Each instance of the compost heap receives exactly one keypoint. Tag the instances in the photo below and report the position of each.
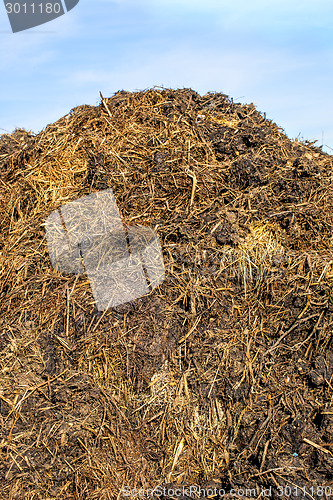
(222, 376)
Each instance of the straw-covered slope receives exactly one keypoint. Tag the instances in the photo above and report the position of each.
(223, 375)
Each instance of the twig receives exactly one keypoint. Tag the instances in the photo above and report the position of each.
(287, 333)
(190, 331)
(315, 445)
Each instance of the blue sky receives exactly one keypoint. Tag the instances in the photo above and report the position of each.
(277, 54)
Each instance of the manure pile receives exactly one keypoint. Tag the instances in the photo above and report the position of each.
(222, 376)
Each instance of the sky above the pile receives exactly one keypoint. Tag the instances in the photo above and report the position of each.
(277, 54)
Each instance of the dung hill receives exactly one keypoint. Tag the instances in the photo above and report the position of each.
(222, 376)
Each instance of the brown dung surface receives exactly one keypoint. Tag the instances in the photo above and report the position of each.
(222, 376)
